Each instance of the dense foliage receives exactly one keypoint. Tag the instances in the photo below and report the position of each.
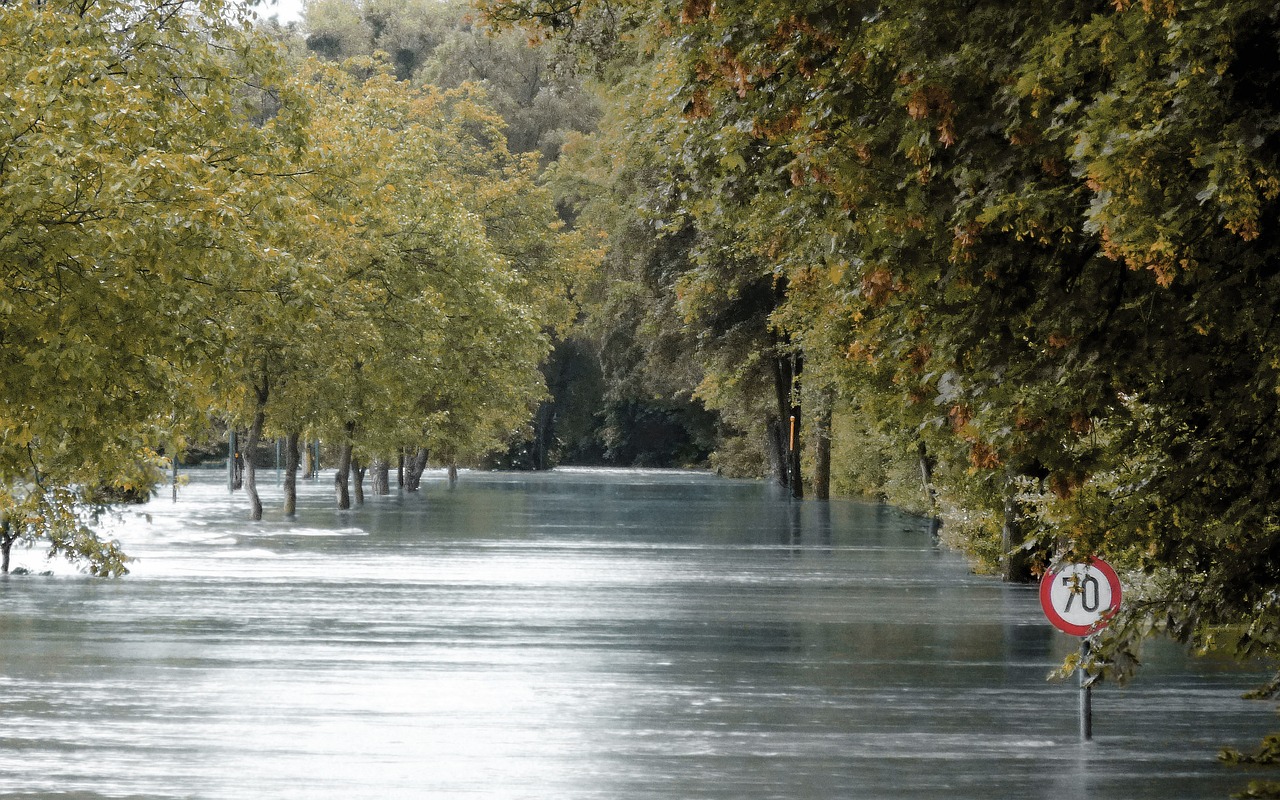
(195, 229)
(1032, 248)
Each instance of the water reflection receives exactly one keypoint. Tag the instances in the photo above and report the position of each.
(574, 635)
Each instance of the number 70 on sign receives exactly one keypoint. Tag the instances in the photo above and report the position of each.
(1079, 599)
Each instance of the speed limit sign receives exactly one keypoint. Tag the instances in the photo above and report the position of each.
(1080, 598)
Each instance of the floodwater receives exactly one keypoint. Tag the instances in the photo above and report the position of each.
(578, 634)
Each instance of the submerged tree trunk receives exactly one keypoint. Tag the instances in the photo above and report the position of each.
(291, 474)
(926, 474)
(782, 397)
(358, 471)
(1016, 567)
(381, 476)
(6, 545)
(796, 480)
(786, 385)
(400, 471)
(261, 394)
(822, 447)
(413, 478)
(453, 474)
(342, 477)
(930, 494)
(235, 462)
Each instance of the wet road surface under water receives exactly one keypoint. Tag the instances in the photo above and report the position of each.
(572, 635)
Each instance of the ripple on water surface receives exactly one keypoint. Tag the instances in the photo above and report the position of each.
(579, 634)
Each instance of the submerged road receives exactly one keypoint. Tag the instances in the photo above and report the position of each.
(579, 634)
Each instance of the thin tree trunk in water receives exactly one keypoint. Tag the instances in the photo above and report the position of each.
(930, 494)
(359, 480)
(235, 462)
(453, 475)
(413, 480)
(782, 395)
(926, 475)
(291, 474)
(6, 545)
(251, 448)
(400, 471)
(381, 476)
(796, 480)
(342, 478)
(1017, 562)
(822, 448)
(786, 385)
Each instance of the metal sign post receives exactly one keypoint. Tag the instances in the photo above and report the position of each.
(1080, 599)
(1086, 695)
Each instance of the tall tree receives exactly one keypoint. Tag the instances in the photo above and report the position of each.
(132, 185)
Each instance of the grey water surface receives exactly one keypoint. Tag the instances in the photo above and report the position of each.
(577, 634)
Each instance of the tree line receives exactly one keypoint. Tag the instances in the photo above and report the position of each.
(197, 225)
(1016, 266)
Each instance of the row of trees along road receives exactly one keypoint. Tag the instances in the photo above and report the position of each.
(1028, 252)
(194, 225)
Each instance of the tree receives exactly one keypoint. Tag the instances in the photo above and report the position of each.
(539, 99)
(443, 263)
(131, 185)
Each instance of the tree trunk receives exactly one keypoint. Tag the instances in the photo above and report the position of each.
(359, 479)
(822, 447)
(786, 385)
(926, 474)
(453, 475)
(291, 474)
(342, 478)
(413, 480)
(235, 463)
(400, 471)
(6, 545)
(1017, 562)
(930, 494)
(251, 469)
(796, 480)
(261, 394)
(782, 396)
(381, 476)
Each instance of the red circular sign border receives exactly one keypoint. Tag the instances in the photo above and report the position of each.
(1046, 604)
